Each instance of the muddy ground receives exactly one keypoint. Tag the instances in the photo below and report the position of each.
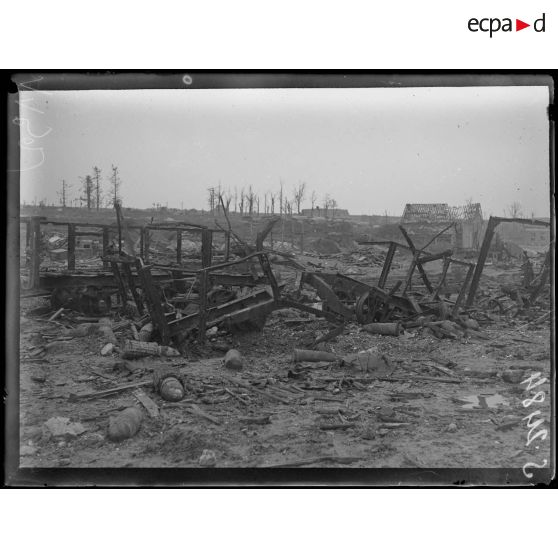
(442, 403)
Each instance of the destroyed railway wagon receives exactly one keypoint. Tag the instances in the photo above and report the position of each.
(181, 301)
(94, 279)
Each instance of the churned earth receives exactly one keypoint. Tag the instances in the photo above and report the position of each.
(451, 403)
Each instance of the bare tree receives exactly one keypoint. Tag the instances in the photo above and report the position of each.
(250, 200)
(313, 200)
(235, 197)
(298, 195)
(63, 193)
(115, 183)
(241, 202)
(227, 197)
(326, 203)
(514, 210)
(87, 185)
(98, 189)
(281, 198)
(211, 199)
(272, 202)
(218, 195)
(333, 205)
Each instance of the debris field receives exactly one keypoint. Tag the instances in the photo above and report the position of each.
(377, 356)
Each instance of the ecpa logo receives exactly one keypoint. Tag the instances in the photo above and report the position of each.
(494, 24)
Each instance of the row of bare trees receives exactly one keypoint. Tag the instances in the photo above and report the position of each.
(247, 201)
(91, 193)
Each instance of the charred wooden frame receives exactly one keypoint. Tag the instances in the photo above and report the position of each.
(493, 223)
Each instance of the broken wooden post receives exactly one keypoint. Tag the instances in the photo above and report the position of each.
(119, 224)
(120, 282)
(227, 245)
(142, 243)
(154, 302)
(387, 265)
(179, 247)
(438, 288)
(146, 243)
(132, 285)
(35, 248)
(409, 276)
(71, 246)
(106, 265)
(207, 240)
(462, 291)
(493, 222)
(203, 289)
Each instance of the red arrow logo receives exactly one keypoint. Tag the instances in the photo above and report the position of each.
(519, 25)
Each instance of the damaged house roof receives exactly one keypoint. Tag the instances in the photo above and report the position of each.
(440, 213)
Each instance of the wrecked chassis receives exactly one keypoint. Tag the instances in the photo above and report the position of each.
(354, 300)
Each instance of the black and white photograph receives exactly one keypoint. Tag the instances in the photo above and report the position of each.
(280, 278)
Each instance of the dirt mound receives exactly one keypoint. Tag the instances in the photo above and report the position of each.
(326, 246)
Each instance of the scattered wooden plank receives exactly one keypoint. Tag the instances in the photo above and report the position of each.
(195, 410)
(328, 336)
(150, 405)
(256, 420)
(56, 314)
(394, 424)
(236, 396)
(442, 369)
(338, 426)
(101, 375)
(259, 391)
(434, 379)
(327, 398)
(107, 392)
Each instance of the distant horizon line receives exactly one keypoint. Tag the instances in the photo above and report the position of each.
(345, 212)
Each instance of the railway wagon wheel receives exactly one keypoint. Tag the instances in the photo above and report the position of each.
(371, 308)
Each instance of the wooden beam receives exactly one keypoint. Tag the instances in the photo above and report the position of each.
(119, 282)
(179, 247)
(463, 290)
(438, 288)
(387, 265)
(132, 284)
(207, 249)
(146, 244)
(71, 247)
(203, 288)
(227, 245)
(493, 222)
(35, 249)
(154, 302)
(106, 265)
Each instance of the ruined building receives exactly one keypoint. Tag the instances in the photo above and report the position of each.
(424, 220)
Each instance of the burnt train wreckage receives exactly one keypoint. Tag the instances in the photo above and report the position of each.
(182, 301)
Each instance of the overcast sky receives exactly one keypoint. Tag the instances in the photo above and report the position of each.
(373, 150)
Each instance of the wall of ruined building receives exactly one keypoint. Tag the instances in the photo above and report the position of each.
(524, 235)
